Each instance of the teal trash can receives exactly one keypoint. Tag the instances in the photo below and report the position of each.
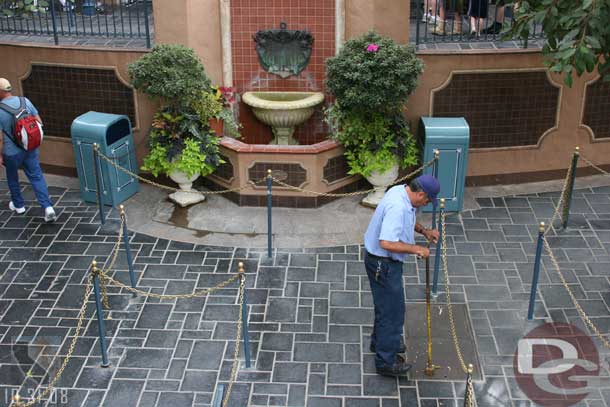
(112, 133)
(451, 136)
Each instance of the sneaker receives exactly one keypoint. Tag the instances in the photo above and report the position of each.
(13, 208)
(399, 368)
(49, 214)
(439, 29)
(495, 28)
(401, 349)
(429, 18)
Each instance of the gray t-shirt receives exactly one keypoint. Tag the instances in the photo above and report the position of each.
(7, 123)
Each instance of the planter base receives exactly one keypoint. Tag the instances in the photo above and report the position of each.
(185, 199)
(372, 199)
(379, 181)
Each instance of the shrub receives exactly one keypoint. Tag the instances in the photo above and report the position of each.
(373, 73)
(169, 72)
(371, 78)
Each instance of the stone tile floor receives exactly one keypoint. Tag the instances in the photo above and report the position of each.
(310, 309)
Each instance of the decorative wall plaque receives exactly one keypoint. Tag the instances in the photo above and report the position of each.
(283, 52)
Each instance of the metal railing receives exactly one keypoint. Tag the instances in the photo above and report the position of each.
(465, 21)
(120, 19)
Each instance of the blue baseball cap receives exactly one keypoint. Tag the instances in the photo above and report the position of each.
(430, 186)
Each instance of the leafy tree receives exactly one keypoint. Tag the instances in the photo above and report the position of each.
(577, 33)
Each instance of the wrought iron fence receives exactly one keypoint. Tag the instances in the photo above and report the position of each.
(129, 19)
(455, 21)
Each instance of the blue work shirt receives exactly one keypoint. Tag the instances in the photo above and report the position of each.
(7, 123)
(394, 221)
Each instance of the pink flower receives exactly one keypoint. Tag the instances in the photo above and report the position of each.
(372, 48)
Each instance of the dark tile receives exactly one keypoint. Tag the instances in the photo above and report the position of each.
(123, 393)
(290, 372)
(147, 358)
(206, 355)
(281, 310)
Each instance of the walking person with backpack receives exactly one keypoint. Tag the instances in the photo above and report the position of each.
(21, 128)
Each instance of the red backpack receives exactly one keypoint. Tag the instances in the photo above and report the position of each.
(28, 131)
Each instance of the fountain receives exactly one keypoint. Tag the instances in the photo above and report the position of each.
(284, 53)
(283, 111)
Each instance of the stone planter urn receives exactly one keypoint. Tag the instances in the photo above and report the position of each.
(380, 182)
(184, 197)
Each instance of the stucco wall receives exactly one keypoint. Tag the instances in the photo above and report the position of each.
(195, 24)
(57, 151)
(555, 148)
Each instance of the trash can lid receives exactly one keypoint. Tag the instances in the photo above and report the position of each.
(98, 119)
(445, 127)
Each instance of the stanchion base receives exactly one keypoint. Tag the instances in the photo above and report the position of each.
(185, 199)
(416, 339)
(242, 365)
(429, 371)
(105, 365)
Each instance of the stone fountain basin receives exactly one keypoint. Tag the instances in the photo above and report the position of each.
(283, 109)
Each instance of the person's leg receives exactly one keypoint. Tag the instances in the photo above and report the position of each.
(371, 267)
(12, 164)
(31, 167)
(496, 26)
(439, 28)
(390, 296)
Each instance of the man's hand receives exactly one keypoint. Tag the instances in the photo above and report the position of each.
(1, 159)
(421, 251)
(431, 235)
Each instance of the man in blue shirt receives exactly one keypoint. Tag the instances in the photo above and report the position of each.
(388, 240)
(13, 157)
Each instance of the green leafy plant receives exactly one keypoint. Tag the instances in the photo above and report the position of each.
(180, 142)
(170, 72)
(371, 78)
(181, 137)
(577, 34)
(373, 142)
(23, 7)
(207, 106)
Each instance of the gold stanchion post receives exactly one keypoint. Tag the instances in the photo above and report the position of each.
(430, 367)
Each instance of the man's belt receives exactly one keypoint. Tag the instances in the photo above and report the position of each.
(381, 257)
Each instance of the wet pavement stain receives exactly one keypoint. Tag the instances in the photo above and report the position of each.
(179, 218)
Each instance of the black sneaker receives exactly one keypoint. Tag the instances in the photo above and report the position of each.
(399, 368)
(402, 348)
(495, 28)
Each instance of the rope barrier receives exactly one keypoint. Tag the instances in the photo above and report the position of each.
(77, 332)
(469, 396)
(593, 165)
(172, 189)
(279, 182)
(560, 205)
(105, 279)
(581, 312)
(331, 194)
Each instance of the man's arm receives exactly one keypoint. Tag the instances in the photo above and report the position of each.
(400, 247)
(430, 234)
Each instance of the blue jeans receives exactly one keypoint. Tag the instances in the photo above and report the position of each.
(31, 166)
(385, 278)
